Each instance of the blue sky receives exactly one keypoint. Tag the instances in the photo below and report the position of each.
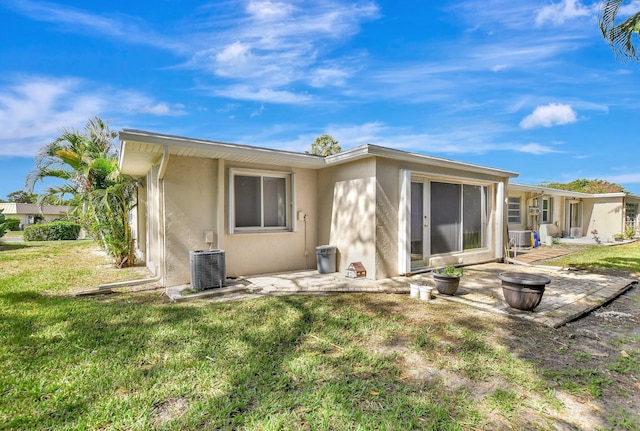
(527, 86)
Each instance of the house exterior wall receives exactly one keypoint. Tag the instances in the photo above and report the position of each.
(524, 218)
(25, 212)
(154, 228)
(362, 200)
(260, 253)
(140, 226)
(528, 221)
(347, 212)
(188, 198)
(189, 207)
(604, 215)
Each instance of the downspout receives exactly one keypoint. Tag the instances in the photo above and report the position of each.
(160, 269)
(501, 251)
(162, 243)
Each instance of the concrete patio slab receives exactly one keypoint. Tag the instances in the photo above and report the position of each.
(570, 294)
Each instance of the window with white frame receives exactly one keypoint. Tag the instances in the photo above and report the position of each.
(546, 215)
(260, 201)
(513, 209)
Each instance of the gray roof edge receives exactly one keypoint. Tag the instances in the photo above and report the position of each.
(370, 150)
(181, 141)
(527, 187)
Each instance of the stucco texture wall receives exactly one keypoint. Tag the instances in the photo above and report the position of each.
(189, 201)
(603, 215)
(261, 253)
(347, 212)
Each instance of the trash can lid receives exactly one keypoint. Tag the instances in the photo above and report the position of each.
(325, 247)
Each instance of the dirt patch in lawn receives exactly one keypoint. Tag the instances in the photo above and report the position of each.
(584, 375)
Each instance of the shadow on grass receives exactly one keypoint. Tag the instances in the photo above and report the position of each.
(9, 246)
(272, 362)
(620, 264)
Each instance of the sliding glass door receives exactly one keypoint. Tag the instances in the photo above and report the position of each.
(446, 217)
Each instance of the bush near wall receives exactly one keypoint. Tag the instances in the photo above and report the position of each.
(54, 231)
(12, 223)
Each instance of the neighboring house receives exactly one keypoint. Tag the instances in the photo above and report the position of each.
(575, 214)
(30, 213)
(394, 211)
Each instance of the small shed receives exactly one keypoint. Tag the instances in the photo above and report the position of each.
(355, 270)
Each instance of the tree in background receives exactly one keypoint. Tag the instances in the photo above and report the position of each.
(587, 186)
(619, 35)
(325, 145)
(20, 196)
(101, 196)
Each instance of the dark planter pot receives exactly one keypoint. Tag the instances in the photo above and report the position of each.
(446, 284)
(523, 291)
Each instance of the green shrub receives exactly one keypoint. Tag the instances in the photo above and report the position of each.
(3, 227)
(630, 232)
(54, 231)
(12, 223)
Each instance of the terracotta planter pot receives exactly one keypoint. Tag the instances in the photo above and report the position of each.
(446, 284)
(523, 291)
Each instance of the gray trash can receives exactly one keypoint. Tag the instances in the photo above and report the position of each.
(326, 256)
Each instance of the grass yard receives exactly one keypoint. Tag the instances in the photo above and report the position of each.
(623, 259)
(134, 361)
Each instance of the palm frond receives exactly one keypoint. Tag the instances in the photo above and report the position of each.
(620, 36)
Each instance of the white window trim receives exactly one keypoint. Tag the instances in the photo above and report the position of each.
(519, 209)
(290, 222)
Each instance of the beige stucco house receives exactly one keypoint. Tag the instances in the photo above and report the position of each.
(30, 213)
(394, 211)
(573, 214)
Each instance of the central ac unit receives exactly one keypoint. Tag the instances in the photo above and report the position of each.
(520, 238)
(207, 269)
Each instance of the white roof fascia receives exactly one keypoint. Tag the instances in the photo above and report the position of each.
(286, 157)
(560, 192)
(369, 150)
(296, 159)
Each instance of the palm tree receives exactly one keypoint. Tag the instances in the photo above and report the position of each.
(102, 196)
(619, 36)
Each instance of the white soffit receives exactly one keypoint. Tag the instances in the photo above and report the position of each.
(140, 150)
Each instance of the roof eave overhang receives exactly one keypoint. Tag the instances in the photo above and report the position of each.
(141, 150)
(368, 150)
(559, 192)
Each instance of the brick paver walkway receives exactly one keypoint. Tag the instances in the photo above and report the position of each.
(570, 294)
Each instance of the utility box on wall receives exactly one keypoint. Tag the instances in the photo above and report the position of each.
(355, 270)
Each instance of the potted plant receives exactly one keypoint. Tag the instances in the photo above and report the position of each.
(630, 232)
(447, 279)
(618, 237)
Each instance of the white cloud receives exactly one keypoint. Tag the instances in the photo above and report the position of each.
(536, 149)
(553, 114)
(269, 11)
(78, 20)
(34, 109)
(628, 9)
(245, 92)
(565, 10)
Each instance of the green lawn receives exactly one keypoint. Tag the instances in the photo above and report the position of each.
(360, 362)
(623, 259)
